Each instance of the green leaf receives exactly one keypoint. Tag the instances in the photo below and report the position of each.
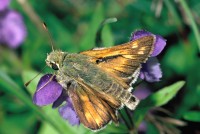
(11, 63)
(184, 53)
(107, 37)
(191, 92)
(151, 128)
(112, 128)
(17, 124)
(8, 85)
(63, 38)
(28, 75)
(192, 116)
(104, 36)
(162, 96)
(47, 129)
(191, 20)
(157, 99)
(54, 115)
(11, 87)
(88, 41)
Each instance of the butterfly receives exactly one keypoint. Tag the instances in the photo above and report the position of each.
(99, 81)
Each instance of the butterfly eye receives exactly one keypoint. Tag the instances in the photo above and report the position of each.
(54, 66)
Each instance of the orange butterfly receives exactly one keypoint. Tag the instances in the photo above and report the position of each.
(99, 81)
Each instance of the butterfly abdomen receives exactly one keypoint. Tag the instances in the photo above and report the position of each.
(132, 102)
(123, 95)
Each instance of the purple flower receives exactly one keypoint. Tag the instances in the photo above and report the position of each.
(151, 71)
(142, 91)
(4, 4)
(47, 91)
(142, 127)
(67, 112)
(50, 91)
(12, 28)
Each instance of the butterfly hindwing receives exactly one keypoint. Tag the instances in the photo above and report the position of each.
(123, 62)
(94, 110)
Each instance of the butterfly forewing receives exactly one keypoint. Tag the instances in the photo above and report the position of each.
(123, 61)
(93, 110)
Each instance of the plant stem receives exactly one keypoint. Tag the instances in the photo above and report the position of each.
(129, 117)
(125, 121)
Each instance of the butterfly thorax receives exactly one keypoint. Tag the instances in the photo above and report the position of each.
(79, 67)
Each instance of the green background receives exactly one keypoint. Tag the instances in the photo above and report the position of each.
(77, 26)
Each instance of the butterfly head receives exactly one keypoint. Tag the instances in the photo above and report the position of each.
(55, 59)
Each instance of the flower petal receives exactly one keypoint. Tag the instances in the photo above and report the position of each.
(138, 34)
(159, 45)
(142, 91)
(67, 112)
(151, 71)
(60, 99)
(4, 4)
(13, 29)
(142, 127)
(47, 91)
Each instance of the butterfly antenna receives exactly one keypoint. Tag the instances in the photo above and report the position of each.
(46, 82)
(50, 36)
(27, 83)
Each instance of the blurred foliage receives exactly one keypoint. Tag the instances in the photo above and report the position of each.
(74, 26)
